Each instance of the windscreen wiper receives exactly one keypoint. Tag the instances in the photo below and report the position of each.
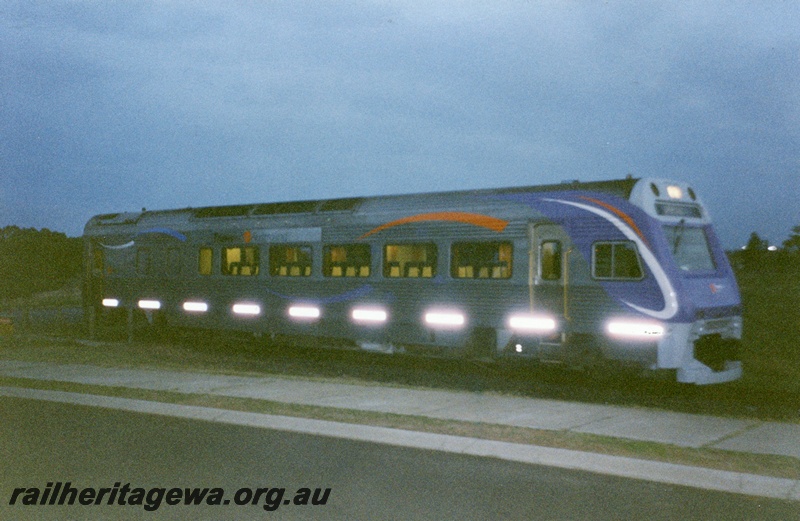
(678, 235)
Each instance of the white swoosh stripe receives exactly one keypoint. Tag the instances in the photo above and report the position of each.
(120, 247)
(670, 297)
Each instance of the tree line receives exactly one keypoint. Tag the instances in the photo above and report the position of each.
(32, 261)
(757, 255)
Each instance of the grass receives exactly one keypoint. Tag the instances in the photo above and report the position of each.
(771, 334)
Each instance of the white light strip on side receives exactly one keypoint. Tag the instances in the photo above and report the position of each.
(445, 318)
(247, 309)
(149, 304)
(531, 323)
(305, 312)
(111, 302)
(195, 307)
(635, 329)
(369, 315)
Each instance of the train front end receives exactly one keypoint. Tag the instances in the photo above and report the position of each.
(700, 328)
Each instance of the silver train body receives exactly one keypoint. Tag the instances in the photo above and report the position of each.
(628, 270)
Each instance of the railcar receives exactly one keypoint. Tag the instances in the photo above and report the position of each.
(628, 270)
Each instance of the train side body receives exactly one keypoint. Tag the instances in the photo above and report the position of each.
(575, 273)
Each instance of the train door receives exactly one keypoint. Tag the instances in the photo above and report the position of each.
(549, 278)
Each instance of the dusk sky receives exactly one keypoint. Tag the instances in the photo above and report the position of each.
(114, 106)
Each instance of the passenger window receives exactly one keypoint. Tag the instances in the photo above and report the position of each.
(347, 260)
(603, 254)
(240, 261)
(550, 260)
(616, 261)
(290, 261)
(173, 260)
(144, 261)
(410, 260)
(204, 259)
(481, 260)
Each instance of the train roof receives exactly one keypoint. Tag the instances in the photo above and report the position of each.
(619, 187)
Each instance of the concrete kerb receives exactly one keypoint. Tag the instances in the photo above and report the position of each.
(668, 473)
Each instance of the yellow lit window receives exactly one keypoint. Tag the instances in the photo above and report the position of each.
(240, 261)
(481, 260)
(410, 260)
(204, 258)
(350, 260)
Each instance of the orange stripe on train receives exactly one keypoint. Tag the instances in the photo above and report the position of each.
(475, 219)
(625, 217)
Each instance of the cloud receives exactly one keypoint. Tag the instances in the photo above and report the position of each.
(116, 105)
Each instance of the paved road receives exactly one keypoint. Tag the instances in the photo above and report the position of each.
(43, 442)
